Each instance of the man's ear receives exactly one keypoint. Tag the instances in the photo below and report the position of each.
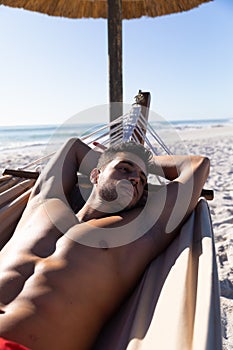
(94, 175)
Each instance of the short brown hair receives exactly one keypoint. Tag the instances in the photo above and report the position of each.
(132, 147)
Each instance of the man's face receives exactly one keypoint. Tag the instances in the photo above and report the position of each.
(123, 180)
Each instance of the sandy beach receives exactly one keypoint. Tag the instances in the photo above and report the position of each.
(215, 142)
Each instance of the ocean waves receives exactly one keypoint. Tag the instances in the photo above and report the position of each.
(41, 136)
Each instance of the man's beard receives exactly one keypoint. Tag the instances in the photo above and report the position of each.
(118, 199)
(108, 193)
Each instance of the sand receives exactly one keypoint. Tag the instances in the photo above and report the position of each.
(217, 144)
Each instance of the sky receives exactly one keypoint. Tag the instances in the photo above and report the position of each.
(52, 68)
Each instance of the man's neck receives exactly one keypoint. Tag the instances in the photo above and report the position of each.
(95, 208)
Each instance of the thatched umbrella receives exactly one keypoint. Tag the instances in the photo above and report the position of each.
(114, 11)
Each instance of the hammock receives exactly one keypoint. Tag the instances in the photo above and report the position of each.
(176, 304)
(177, 308)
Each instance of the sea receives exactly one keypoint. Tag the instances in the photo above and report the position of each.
(33, 136)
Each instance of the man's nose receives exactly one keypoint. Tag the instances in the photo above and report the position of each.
(134, 178)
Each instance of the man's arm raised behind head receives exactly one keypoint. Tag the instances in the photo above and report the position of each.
(169, 207)
(60, 174)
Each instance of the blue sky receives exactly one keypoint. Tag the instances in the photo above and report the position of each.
(52, 68)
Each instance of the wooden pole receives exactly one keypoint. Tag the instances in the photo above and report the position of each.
(115, 57)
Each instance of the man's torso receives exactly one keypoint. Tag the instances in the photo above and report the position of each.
(56, 292)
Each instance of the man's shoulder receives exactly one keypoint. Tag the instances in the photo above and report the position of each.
(56, 210)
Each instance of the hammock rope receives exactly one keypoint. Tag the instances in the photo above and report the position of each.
(128, 127)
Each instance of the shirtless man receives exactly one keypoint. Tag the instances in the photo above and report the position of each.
(57, 287)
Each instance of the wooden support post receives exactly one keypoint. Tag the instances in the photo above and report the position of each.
(115, 57)
(143, 99)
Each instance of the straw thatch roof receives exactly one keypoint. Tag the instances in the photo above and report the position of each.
(98, 8)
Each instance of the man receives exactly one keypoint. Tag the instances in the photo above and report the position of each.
(62, 275)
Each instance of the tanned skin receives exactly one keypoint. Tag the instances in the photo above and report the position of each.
(55, 291)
